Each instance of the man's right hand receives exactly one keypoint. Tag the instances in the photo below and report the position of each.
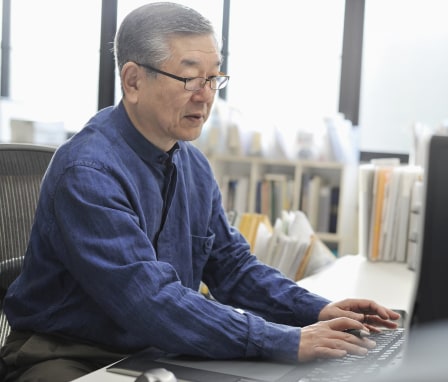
(327, 339)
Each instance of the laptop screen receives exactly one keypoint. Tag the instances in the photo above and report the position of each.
(431, 301)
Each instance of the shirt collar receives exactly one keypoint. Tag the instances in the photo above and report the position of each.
(144, 148)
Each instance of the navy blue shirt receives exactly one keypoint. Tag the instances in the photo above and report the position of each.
(123, 235)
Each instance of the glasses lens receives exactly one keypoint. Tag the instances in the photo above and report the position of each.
(216, 83)
(219, 82)
(193, 84)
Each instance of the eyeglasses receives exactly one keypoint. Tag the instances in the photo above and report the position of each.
(195, 83)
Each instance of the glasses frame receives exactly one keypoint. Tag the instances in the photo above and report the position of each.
(185, 80)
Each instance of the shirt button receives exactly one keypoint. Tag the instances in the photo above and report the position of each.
(208, 244)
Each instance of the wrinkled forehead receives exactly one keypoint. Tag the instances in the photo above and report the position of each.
(194, 50)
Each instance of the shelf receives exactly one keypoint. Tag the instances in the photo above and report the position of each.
(305, 185)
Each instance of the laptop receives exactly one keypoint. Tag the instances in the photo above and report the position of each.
(425, 329)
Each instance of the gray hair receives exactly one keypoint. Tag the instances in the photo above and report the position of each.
(143, 36)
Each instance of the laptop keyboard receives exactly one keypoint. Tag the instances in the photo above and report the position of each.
(356, 368)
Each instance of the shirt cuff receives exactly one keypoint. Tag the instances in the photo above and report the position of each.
(272, 341)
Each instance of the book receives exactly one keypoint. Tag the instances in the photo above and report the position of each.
(304, 194)
(381, 177)
(365, 195)
(240, 197)
(410, 175)
(334, 209)
(323, 218)
(312, 210)
(390, 214)
(249, 225)
(414, 224)
(235, 191)
(273, 195)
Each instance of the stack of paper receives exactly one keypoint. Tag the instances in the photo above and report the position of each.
(292, 246)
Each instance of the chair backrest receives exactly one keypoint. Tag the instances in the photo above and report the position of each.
(22, 167)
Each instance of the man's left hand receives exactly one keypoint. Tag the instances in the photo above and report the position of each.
(371, 314)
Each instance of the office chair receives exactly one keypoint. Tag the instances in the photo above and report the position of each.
(22, 167)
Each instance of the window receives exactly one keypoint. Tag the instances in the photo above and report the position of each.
(289, 67)
(54, 61)
(404, 76)
(285, 63)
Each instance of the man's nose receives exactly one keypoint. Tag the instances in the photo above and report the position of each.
(205, 94)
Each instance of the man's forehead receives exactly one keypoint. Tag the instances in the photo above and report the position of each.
(193, 50)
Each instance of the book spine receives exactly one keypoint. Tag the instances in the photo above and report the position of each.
(334, 209)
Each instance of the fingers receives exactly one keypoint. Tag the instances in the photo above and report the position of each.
(373, 321)
(381, 317)
(369, 307)
(362, 310)
(343, 323)
(328, 339)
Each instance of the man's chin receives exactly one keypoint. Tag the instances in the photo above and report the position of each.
(192, 134)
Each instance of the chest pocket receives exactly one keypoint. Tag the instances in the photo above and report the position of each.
(201, 250)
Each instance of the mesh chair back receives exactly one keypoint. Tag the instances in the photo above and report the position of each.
(22, 167)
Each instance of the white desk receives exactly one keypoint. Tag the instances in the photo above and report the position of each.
(390, 284)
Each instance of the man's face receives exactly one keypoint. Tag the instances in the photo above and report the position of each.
(165, 111)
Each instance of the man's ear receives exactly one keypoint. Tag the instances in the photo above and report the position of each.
(131, 81)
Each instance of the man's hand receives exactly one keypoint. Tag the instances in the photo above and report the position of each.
(367, 312)
(327, 339)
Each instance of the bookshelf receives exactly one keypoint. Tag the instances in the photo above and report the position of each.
(304, 185)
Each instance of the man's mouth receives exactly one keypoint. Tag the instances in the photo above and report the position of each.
(195, 116)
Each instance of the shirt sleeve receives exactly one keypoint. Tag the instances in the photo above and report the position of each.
(239, 279)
